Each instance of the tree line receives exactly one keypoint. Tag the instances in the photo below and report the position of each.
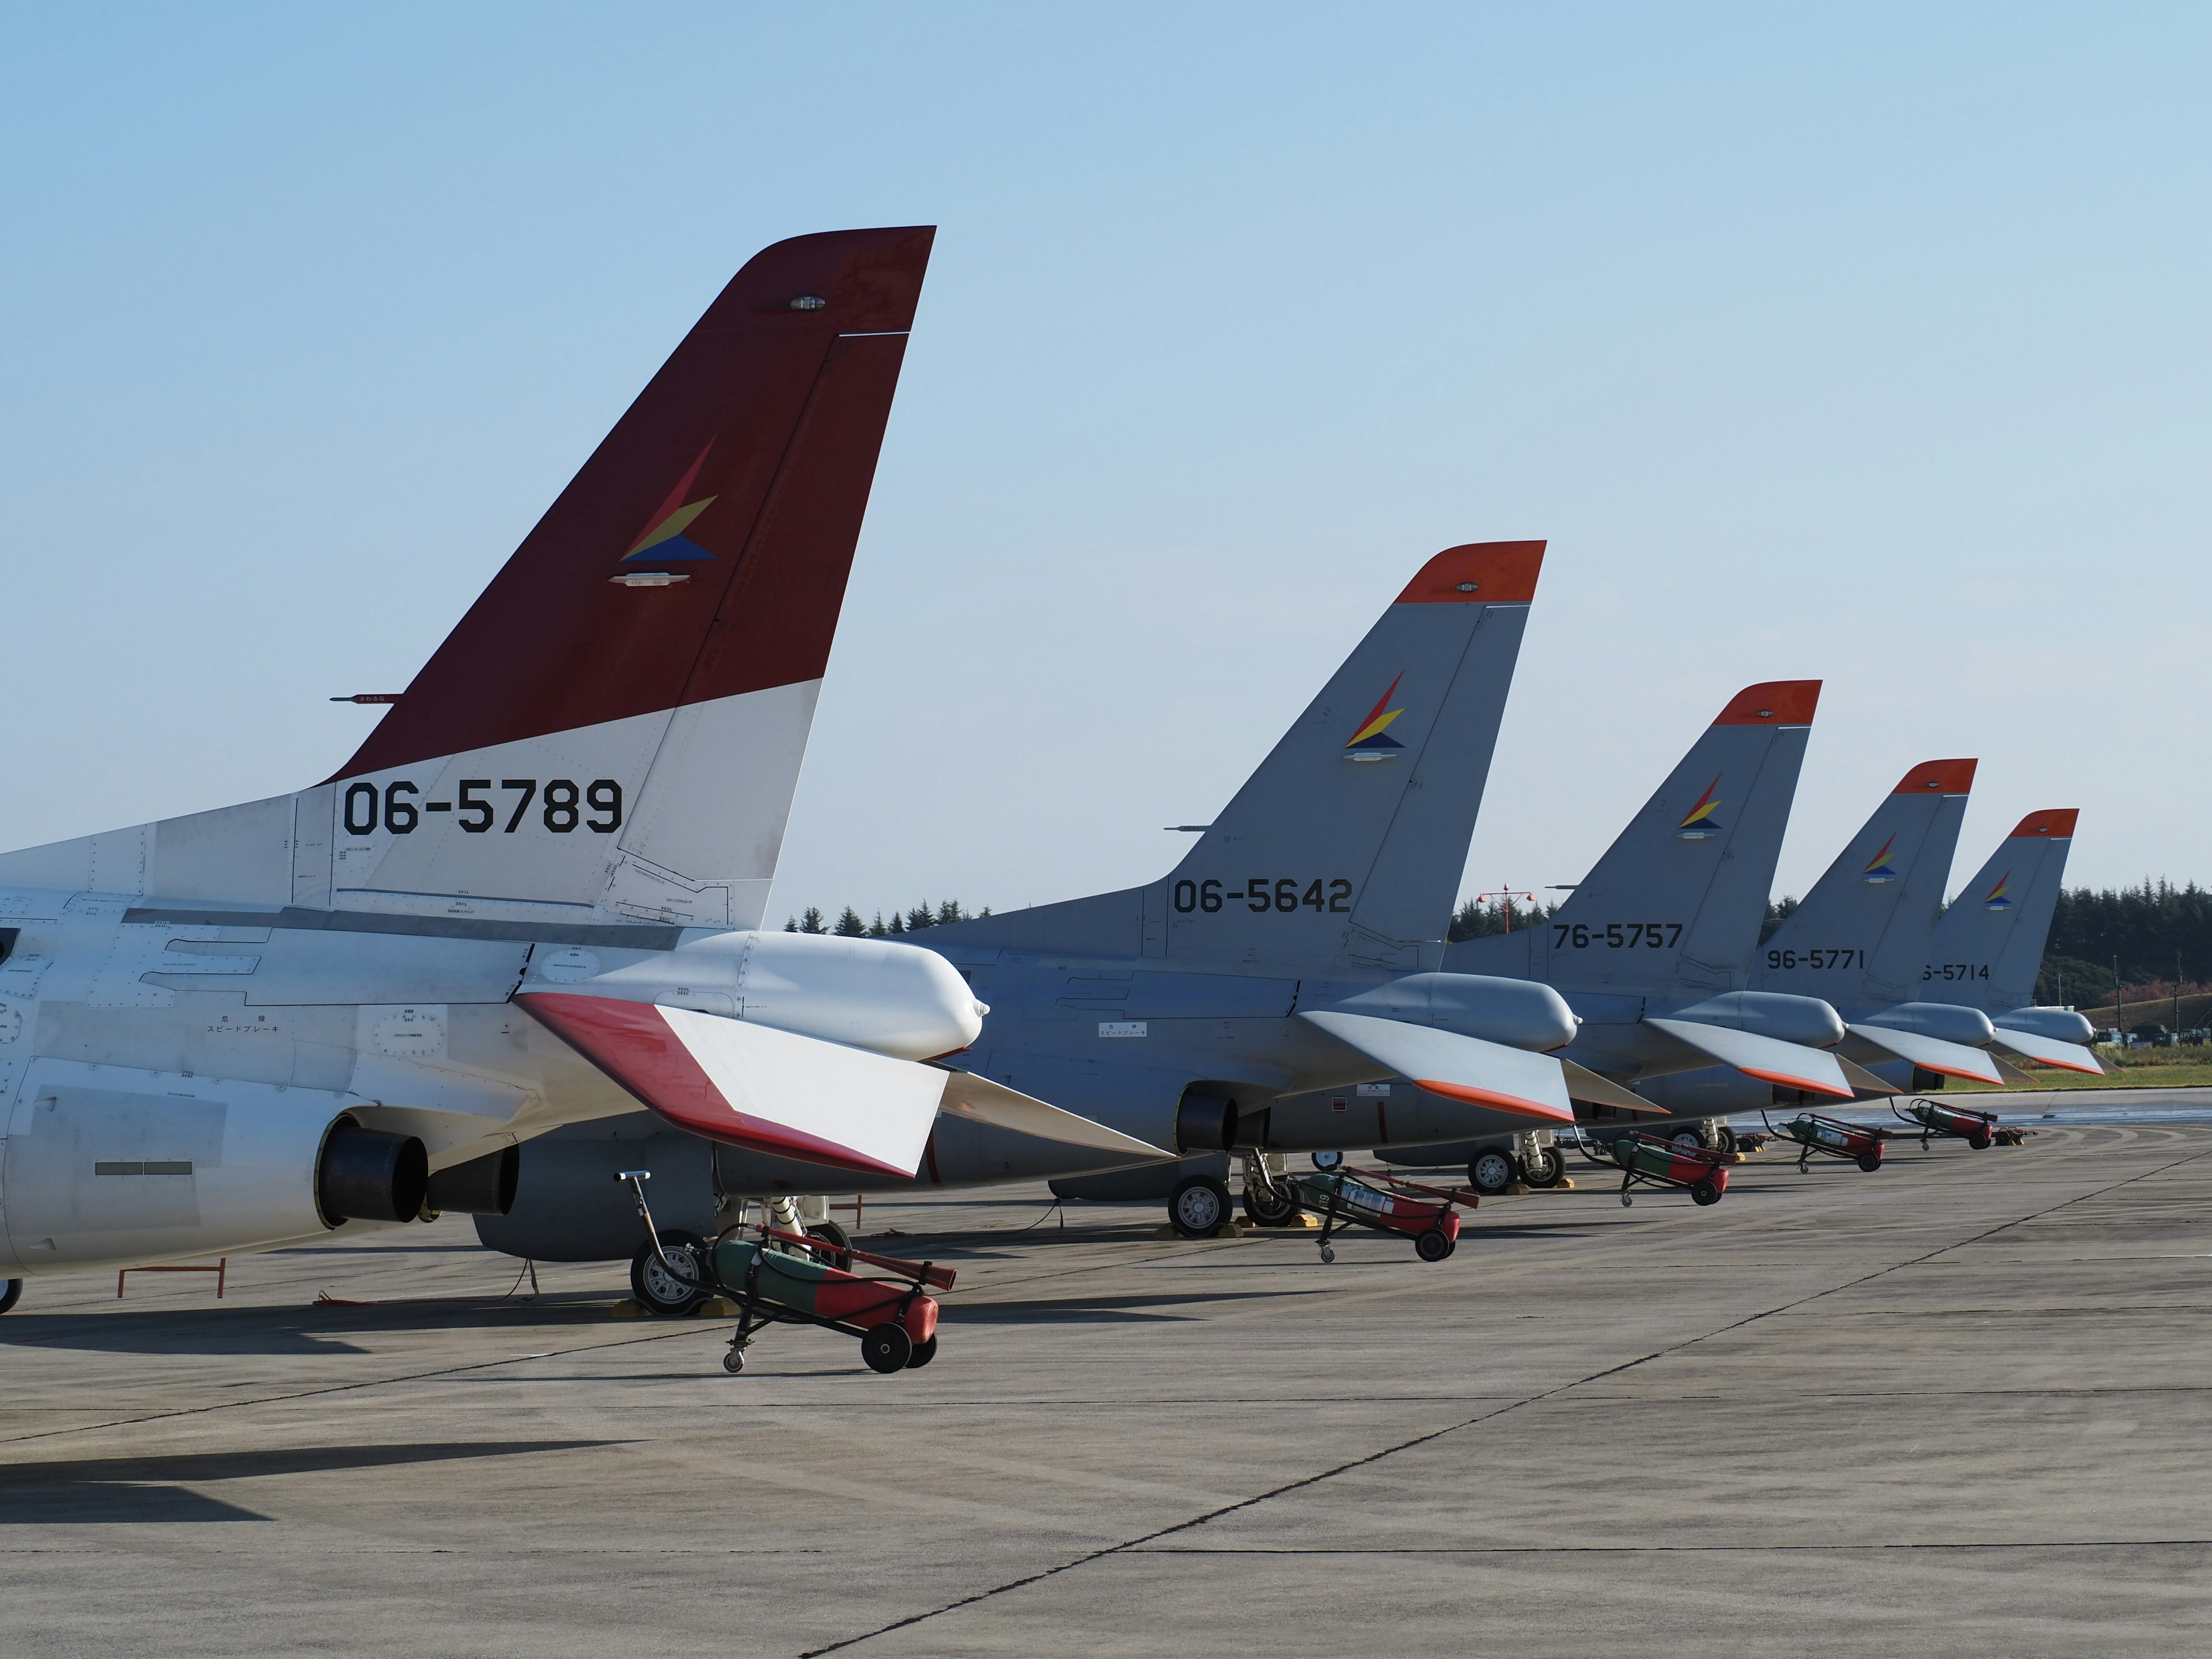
(2159, 934)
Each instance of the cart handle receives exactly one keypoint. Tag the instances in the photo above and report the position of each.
(922, 1272)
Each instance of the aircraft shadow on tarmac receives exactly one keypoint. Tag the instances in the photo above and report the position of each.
(316, 1329)
(107, 1491)
(1100, 1309)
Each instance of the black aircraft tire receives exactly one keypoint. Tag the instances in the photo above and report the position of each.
(1433, 1245)
(1705, 1190)
(887, 1348)
(1727, 1138)
(671, 1294)
(1272, 1208)
(1686, 1136)
(1199, 1206)
(1870, 1161)
(1546, 1170)
(923, 1353)
(839, 1241)
(1491, 1171)
(10, 1294)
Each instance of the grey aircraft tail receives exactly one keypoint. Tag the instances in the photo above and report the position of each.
(1344, 850)
(1675, 904)
(1860, 938)
(1987, 948)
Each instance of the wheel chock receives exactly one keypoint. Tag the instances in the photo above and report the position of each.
(628, 1308)
(716, 1307)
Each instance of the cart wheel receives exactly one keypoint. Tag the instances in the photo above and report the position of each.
(734, 1361)
(923, 1353)
(1705, 1191)
(1198, 1207)
(887, 1348)
(673, 1288)
(1726, 1138)
(839, 1241)
(1625, 1201)
(1327, 1254)
(1491, 1171)
(1548, 1169)
(10, 1294)
(1980, 1143)
(1433, 1245)
(1272, 1208)
(1870, 1161)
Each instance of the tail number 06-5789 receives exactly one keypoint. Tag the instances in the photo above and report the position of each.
(563, 807)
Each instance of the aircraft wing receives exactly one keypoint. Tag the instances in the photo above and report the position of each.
(982, 1101)
(752, 1086)
(2049, 1051)
(1458, 1067)
(1790, 1065)
(1583, 1084)
(1948, 1059)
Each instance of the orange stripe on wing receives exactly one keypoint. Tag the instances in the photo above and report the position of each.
(1504, 1102)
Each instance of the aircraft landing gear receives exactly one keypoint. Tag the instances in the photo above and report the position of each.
(1270, 1199)
(839, 1241)
(1546, 1167)
(10, 1294)
(1198, 1206)
(1492, 1170)
(671, 1282)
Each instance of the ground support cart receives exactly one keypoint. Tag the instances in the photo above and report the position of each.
(1657, 1162)
(776, 1277)
(1932, 1117)
(1388, 1203)
(1834, 1138)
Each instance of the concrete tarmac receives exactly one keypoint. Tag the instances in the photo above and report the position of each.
(1959, 1406)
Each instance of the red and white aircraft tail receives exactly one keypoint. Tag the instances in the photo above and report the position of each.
(614, 730)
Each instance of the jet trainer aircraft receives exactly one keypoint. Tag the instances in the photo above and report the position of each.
(1294, 948)
(532, 893)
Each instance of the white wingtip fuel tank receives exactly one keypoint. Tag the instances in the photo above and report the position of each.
(898, 1000)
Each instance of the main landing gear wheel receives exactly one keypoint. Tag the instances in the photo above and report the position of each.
(11, 1294)
(1686, 1137)
(1326, 1163)
(1269, 1206)
(672, 1288)
(1707, 1191)
(923, 1353)
(1491, 1171)
(1870, 1161)
(1198, 1206)
(839, 1241)
(1433, 1245)
(1547, 1168)
(1725, 1141)
(887, 1348)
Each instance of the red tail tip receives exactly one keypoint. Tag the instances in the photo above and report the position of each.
(2052, 823)
(1943, 777)
(1773, 702)
(1479, 573)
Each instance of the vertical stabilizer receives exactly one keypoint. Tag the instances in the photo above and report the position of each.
(613, 733)
(1860, 937)
(1988, 947)
(1345, 847)
(1675, 904)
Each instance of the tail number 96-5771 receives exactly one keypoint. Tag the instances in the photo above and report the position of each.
(563, 807)
(1272, 893)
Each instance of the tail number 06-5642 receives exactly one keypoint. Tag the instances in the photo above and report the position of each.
(1275, 895)
(563, 807)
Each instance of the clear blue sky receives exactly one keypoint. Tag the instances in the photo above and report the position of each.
(1869, 343)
